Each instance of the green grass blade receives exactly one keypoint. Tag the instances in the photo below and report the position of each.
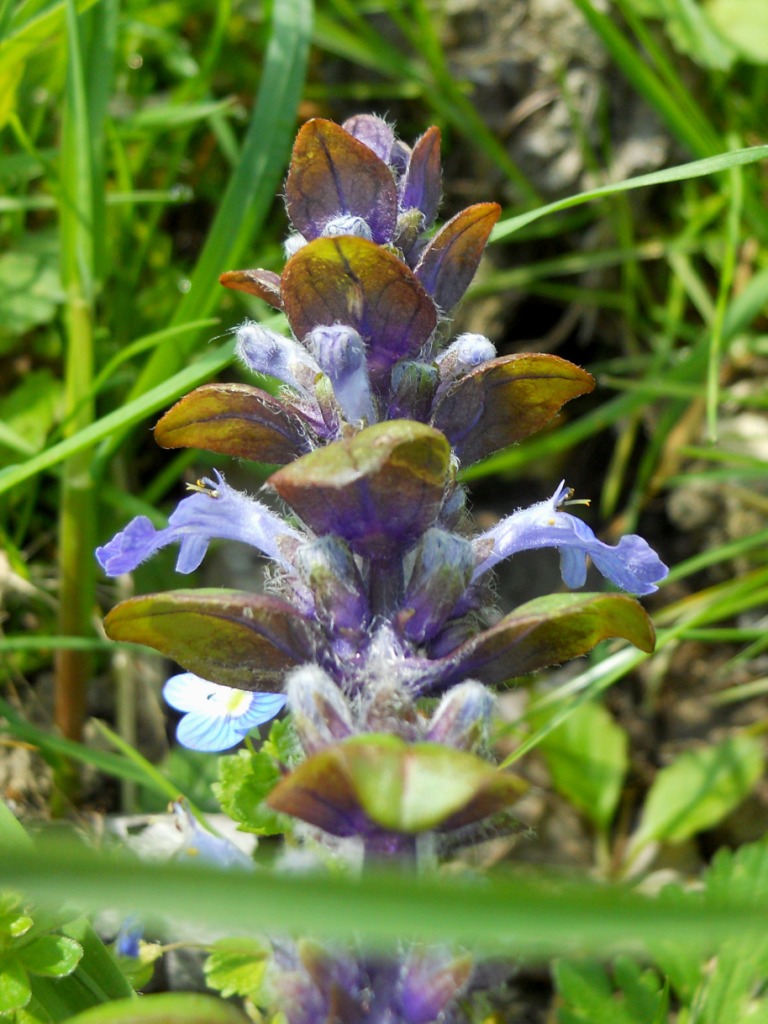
(123, 418)
(251, 189)
(682, 172)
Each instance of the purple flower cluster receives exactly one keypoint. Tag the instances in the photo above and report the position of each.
(379, 594)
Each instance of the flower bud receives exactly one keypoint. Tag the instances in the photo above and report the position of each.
(340, 352)
(466, 353)
(347, 224)
(374, 132)
(293, 243)
(268, 352)
(327, 567)
(441, 571)
(413, 389)
(462, 716)
(321, 714)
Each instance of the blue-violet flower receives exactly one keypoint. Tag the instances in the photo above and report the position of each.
(632, 564)
(217, 717)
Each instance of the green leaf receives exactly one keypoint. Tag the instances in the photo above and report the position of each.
(533, 912)
(245, 781)
(587, 758)
(231, 637)
(28, 412)
(506, 400)
(379, 489)
(52, 956)
(163, 1008)
(30, 291)
(376, 782)
(235, 967)
(698, 790)
(548, 631)
(590, 997)
(15, 990)
(744, 24)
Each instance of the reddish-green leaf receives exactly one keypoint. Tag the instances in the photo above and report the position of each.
(332, 173)
(379, 782)
(235, 419)
(505, 400)
(449, 262)
(354, 282)
(547, 631)
(263, 283)
(227, 636)
(379, 489)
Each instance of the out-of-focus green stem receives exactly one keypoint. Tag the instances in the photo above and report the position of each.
(81, 234)
(76, 522)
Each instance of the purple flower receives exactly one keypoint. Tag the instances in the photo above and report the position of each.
(217, 717)
(632, 564)
(219, 512)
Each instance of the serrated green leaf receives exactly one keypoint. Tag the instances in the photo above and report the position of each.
(587, 759)
(51, 956)
(245, 781)
(697, 790)
(235, 967)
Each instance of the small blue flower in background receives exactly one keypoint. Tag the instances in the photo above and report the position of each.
(217, 717)
(128, 938)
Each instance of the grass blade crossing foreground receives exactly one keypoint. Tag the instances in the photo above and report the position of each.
(527, 914)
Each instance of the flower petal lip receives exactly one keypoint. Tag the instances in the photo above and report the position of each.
(631, 564)
(220, 513)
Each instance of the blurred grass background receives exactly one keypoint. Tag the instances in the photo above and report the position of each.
(143, 146)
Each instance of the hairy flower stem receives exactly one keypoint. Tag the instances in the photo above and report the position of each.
(385, 586)
(394, 847)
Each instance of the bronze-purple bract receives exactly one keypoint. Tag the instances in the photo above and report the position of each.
(504, 401)
(449, 262)
(263, 283)
(379, 490)
(331, 173)
(237, 420)
(231, 637)
(379, 783)
(547, 631)
(356, 283)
